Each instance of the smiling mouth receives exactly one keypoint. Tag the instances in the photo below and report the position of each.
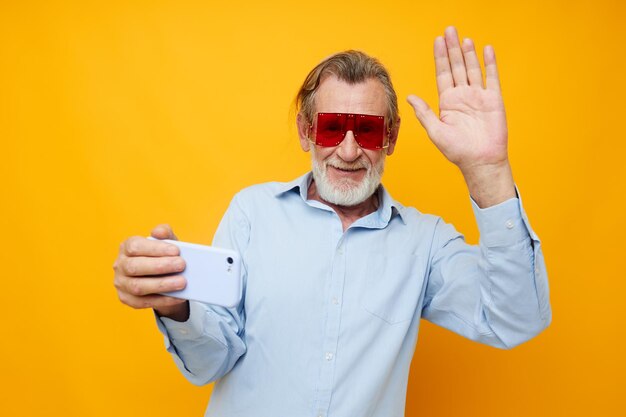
(347, 169)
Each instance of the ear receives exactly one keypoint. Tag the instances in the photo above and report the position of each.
(303, 132)
(393, 137)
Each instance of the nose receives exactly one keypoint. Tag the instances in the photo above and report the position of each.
(349, 150)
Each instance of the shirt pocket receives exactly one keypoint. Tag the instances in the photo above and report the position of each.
(394, 287)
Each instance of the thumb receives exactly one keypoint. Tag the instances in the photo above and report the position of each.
(427, 118)
(163, 231)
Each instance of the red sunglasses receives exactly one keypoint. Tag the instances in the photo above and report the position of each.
(369, 131)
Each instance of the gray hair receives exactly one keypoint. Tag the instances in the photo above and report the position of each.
(352, 67)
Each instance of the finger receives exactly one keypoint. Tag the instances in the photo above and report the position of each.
(140, 266)
(457, 63)
(442, 66)
(149, 301)
(163, 231)
(424, 113)
(140, 246)
(491, 69)
(474, 73)
(145, 286)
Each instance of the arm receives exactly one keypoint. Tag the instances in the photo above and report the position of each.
(495, 293)
(208, 344)
(205, 341)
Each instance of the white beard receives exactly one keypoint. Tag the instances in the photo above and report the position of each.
(346, 192)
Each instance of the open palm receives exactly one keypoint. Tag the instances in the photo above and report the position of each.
(471, 127)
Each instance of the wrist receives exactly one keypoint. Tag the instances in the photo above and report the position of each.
(179, 312)
(490, 184)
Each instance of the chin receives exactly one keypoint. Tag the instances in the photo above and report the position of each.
(345, 192)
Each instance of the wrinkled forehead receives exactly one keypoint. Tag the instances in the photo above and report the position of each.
(337, 96)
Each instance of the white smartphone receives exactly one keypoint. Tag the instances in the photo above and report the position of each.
(213, 274)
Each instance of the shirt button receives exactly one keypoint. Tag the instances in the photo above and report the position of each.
(182, 331)
(340, 251)
(509, 224)
(329, 356)
(335, 300)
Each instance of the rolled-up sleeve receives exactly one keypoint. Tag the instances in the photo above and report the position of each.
(496, 292)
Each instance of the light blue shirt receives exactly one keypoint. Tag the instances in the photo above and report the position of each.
(329, 319)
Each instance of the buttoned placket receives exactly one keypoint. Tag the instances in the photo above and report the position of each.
(328, 356)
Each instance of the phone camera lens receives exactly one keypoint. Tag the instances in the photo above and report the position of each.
(229, 260)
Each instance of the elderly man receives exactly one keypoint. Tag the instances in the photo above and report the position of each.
(337, 274)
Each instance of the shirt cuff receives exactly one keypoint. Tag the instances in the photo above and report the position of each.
(502, 224)
(183, 330)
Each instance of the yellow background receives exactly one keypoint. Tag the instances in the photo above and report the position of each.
(117, 116)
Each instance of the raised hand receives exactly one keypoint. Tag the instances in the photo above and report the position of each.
(471, 127)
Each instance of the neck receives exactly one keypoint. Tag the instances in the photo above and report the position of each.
(347, 214)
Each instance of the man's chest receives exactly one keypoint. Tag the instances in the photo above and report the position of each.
(311, 272)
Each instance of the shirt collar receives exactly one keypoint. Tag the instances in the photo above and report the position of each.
(387, 210)
(300, 183)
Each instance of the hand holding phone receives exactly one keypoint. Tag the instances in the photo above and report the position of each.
(213, 274)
